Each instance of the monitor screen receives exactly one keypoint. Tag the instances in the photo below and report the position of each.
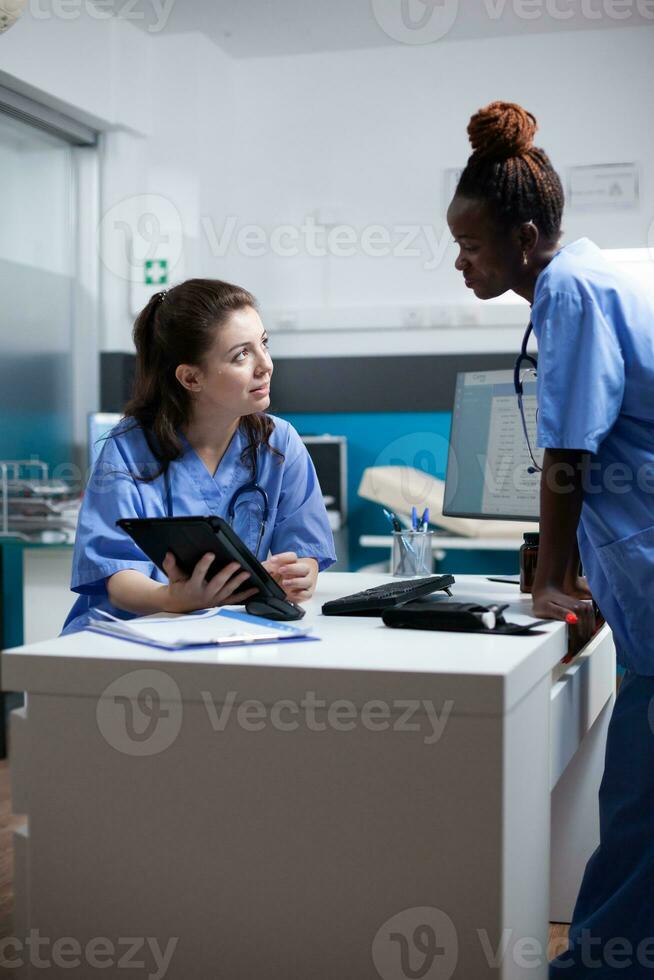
(329, 456)
(488, 461)
(100, 423)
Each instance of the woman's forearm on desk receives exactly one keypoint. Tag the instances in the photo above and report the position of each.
(560, 508)
(136, 593)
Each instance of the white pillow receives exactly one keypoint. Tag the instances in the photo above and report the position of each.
(10, 11)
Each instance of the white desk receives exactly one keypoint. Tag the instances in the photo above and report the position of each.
(282, 852)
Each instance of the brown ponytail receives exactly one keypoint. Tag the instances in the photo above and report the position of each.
(178, 327)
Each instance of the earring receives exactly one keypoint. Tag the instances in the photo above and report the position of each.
(525, 259)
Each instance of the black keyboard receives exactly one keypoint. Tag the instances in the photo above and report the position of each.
(372, 602)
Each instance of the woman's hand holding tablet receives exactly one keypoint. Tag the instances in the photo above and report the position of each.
(187, 593)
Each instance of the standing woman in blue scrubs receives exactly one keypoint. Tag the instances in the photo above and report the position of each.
(595, 333)
(196, 440)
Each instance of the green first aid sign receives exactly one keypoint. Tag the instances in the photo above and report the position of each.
(156, 272)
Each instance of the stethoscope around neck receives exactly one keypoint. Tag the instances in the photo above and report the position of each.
(528, 363)
(252, 486)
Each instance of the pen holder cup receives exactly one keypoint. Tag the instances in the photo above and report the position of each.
(412, 553)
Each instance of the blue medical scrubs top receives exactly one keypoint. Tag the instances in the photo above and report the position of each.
(297, 521)
(595, 331)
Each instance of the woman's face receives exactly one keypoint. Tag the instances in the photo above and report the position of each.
(235, 376)
(489, 257)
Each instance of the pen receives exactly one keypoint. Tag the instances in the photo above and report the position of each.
(414, 519)
(397, 527)
(392, 519)
(572, 620)
(424, 520)
(405, 545)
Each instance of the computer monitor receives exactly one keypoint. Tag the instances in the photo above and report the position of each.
(100, 424)
(488, 461)
(329, 456)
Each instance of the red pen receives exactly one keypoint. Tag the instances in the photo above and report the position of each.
(572, 620)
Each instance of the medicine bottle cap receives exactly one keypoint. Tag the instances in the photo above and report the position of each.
(531, 538)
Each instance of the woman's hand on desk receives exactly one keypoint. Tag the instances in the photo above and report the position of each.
(297, 576)
(552, 603)
(558, 590)
(184, 594)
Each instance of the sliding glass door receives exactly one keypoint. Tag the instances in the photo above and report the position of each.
(37, 277)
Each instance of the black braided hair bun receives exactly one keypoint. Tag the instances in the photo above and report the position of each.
(502, 130)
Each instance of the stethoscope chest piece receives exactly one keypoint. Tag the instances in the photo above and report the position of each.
(252, 487)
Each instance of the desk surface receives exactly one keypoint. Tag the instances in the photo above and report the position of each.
(357, 655)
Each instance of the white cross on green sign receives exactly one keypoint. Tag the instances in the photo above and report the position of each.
(156, 272)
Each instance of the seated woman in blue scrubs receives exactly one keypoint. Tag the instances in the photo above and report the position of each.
(195, 439)
(595, 333)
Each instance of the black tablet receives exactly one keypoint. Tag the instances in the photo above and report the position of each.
(189, 538)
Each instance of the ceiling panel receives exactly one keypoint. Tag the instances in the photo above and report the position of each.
(256, 28)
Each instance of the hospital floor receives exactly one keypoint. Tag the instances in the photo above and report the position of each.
(558, 933)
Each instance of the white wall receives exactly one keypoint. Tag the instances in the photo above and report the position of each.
(367, 135)
(99, 69)
(359, 138)
(162, 177)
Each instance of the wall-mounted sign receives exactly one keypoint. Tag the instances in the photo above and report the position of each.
(156, 272)
(604, 185)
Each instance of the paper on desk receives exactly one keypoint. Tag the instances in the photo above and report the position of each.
(209, 627)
